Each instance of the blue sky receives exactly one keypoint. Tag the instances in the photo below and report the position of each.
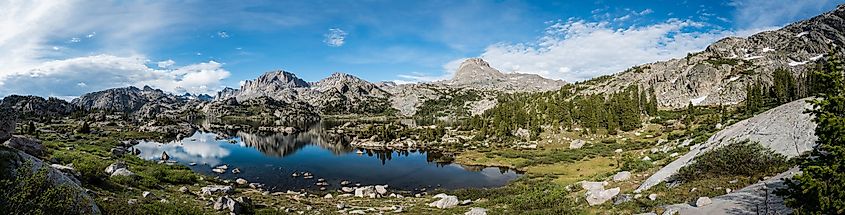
(66, 48)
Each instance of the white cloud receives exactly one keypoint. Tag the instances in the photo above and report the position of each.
(576, 50)
(335, 37)
(33, 31)
(166, 64)
(76, 76)
(223, 34)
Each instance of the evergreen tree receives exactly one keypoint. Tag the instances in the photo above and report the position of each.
(30, 128)
(652, 107)
(689, 118)
(783, 86)
(820, 189)
(85, 128)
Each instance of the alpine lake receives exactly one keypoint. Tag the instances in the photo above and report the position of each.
(313, 159)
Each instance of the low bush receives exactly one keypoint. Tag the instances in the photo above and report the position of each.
(744, 158)
(32, 192)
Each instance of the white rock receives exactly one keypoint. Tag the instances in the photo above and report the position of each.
(576, 144)
(622, 176)
(597, 197)
(122, 172)
(476, 211)
(381, 189)
(147, 194)
(652, 196)
(114, 167)
(703, 201)
(216, 189)
(241, 181)
(445, 202)
(328, 196)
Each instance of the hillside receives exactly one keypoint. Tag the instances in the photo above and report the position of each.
(720, 73)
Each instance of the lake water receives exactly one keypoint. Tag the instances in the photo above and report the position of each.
(271, 159)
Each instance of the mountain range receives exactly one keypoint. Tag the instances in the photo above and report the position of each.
(717, 75)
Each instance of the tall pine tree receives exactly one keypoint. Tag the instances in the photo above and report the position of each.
(820, 189)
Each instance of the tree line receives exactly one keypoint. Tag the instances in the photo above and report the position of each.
(566, 109)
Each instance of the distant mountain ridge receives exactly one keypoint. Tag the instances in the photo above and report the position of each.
(478, 74)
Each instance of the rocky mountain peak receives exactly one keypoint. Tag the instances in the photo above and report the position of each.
(275, 79)
(475, 69)
(478, 74)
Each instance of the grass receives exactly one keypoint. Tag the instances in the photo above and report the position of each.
(569, 173)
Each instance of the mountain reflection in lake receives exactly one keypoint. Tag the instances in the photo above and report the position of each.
(270, 159)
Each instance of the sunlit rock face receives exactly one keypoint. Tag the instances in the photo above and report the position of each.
(720, 74)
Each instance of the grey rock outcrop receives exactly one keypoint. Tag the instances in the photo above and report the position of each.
(786, 129)
(748, 200)
(29, 145)
(720, 73)
(37, 106)
(143, 104)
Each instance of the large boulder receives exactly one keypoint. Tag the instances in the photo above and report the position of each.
(786, 129)
(29, 145)
(446, 201)
(114, 167)
(367, 191)
(600, 196)
(216, 189)
(228, 204)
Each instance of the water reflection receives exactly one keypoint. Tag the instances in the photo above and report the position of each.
(271, 158)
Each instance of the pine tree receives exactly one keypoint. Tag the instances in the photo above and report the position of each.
(652, 107)
(30, 128)
(820, 189)
(783, 86)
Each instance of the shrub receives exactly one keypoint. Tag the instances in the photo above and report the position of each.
(32, 192)
(631, 163)
(744, 158)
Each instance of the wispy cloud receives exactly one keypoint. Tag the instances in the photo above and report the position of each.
(576, 50)
(335, 37)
